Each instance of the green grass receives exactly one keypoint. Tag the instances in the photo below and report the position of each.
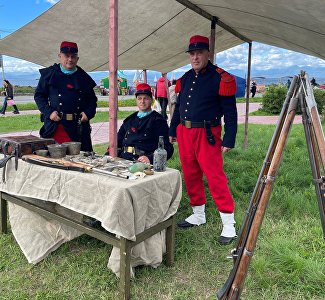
(33, 106)
(32, 122)
(251, 100)
(261, 112)
(288, 262)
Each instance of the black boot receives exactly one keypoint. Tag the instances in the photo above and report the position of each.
(16, 111)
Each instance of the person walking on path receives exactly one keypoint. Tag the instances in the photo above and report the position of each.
(66, 98)
(253, 89)
(9, 98)
(161, 95)
(206, 93)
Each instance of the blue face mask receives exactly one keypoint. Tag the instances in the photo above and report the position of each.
(142, 114)
(67, 72)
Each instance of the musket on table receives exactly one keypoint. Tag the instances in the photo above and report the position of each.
(68, 165)
(299, 91)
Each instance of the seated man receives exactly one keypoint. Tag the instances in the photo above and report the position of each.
(139, 134)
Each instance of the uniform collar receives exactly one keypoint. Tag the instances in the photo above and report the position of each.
(67, 72)
(142, 114)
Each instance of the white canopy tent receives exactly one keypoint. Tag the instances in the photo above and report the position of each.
(153, 35)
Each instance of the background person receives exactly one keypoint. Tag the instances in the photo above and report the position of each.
(9, 96)
(172, 97)
(66, 98)
(313, 82)
(288, 83)
(253, 89)
(161, 95)
(139, 134)
(206, 93)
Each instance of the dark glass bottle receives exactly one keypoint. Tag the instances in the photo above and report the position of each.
(160, 156)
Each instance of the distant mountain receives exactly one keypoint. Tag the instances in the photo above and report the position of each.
(271, 75)
(283, 72)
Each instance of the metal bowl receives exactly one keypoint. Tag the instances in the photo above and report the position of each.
(73, 148)
(42, 152)
(57, 150)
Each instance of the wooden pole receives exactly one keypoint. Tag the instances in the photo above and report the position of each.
(247, 94)
(145, 80)
(212, 38)
(113, 65)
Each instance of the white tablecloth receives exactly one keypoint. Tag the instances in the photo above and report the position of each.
(124, 207)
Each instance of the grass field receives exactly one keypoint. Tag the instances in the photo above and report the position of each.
(288, 263)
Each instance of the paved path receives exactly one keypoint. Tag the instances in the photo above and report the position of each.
(100, 130)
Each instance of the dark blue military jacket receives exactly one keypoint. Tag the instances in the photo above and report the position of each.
(143, 133)
(68, 94)
(199, 99)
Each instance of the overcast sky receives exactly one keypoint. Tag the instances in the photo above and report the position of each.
(266, 60)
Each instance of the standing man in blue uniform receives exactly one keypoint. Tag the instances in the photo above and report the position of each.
(206, 94)
(139, 134)
(66, 98)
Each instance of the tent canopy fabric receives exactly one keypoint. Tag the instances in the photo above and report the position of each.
(154, 35)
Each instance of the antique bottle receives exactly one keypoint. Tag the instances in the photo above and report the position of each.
(160, 156)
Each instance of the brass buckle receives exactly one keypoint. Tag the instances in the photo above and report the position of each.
(69, 117)
(188, 124)
(129, 150)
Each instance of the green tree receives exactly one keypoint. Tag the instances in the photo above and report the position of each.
(275, 95)
(273, 98)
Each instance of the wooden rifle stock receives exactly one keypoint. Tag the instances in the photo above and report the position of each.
(300, 89)
(311, 105)
(315, 144)
(243, 252)
(318, 134)
(57, 161)
(68, 165)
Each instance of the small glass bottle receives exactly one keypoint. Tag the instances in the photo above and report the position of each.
(160, 156)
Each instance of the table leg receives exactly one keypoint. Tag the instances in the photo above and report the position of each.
(125, 272)
(3, 215)
(170, 242)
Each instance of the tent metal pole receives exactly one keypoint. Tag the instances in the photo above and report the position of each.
(212, 38)
(145, 76)
(113, 66)
(248, 80)
(1, 64)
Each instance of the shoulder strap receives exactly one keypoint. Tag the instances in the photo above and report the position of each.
(227, 83)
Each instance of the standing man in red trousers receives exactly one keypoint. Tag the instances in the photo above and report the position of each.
(206, 94)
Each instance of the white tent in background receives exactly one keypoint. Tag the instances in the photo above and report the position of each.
(138, 77)
(155, 79)
(135, 76)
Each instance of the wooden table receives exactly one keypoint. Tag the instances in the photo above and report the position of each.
(11, 191)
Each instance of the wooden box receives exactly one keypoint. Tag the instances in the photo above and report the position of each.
(25, 144)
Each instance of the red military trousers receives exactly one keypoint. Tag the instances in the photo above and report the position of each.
(198, 157)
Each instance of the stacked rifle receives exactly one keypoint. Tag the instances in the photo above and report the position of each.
(300, 92)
